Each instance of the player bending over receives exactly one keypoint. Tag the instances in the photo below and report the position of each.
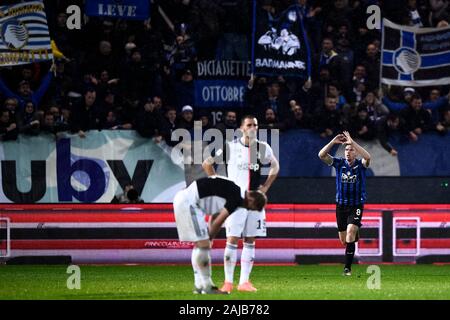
(216, 196)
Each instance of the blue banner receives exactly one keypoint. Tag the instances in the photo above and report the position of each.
(24, 36)
(279, 43)
(220, 93)
(123, 9)
(415, 56)
(221, 83)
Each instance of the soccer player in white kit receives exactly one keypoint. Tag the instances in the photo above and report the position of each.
(218, 197)
(243, 158)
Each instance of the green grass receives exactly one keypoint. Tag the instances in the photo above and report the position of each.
(273, 282)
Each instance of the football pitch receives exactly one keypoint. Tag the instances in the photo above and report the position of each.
(173, 282)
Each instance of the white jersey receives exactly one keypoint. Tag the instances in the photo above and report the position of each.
(203, 197)
(214, 193)
(243, 163)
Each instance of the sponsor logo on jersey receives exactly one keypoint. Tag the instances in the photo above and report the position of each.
(248, 166)
(347, 178)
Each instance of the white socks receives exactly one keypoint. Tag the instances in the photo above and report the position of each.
(247, 259)
(197, 278)
(229, 261)
(201, 263)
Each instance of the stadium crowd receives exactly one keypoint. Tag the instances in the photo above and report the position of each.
(123, 74)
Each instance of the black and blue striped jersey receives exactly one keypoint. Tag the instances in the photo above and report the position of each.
(350, 182)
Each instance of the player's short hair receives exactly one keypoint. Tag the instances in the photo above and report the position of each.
(346, 144)
(248, 116)
(260, 199)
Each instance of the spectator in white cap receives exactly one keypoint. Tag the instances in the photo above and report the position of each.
(187, 118)
(408, 93)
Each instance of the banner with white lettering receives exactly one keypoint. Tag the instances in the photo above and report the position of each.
(221, 84)
(24, 36)
(415, 56)
(123, 9)
(279, 43)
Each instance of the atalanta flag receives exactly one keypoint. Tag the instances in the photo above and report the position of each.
(415, 56)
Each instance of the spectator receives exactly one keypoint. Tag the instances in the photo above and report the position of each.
(359, 81)
(271, 121)
(373, 106)
(187, 118)
(136, 78)
(371, 62)
(8, 127)
(28, 120)
(385, 127)
(228, 123)
(417, 119)
(235, 24)
(328, 119)
(335, 91)
(151, 41)
(12, 104)
(318, 90)
(300, 120)
(436, 103)
(341, 11)
(24, 90)
(111, 122)
(62, 84)
(62, 121)
(169, 125)
(182, 53)
(110, 108)
(48, 124)
(185, 90)
(105, 84)
(85, 115)
(362, 126)
(443, 126)
(103, 59)
(438, 12)
(330, 58)
(205, 17)
(148, 120)
(206, 121)
(273, 98)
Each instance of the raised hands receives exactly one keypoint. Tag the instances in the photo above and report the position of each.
(347, 138)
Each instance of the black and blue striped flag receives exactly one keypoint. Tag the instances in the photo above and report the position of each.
(24, 35)
(415, 56)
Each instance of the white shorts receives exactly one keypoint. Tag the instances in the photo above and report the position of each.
(246, 223)
(190, 219)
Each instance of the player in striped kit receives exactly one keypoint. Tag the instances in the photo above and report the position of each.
(350, 191)
(244, 158)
